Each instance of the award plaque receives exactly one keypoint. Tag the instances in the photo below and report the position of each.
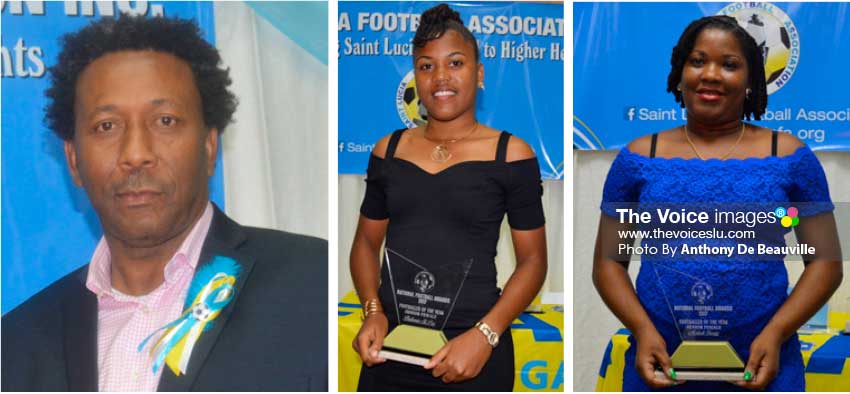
(703, 320)
(424, 299)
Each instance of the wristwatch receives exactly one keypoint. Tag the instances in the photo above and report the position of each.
(492, 337)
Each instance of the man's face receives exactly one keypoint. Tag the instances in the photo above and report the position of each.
(140, 147)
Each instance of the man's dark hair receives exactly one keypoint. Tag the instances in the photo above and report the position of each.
(435, 21)
(756, 103)
(178, 37)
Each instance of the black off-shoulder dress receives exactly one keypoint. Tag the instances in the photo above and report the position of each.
(451, 215)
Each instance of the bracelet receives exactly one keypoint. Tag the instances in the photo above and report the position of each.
(371, 307)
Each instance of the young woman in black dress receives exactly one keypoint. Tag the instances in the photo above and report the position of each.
(437, 193)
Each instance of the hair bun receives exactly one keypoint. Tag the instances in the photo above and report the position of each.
(439, 15)
(435, 21)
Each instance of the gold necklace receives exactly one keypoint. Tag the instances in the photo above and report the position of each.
(728, 153)
(441, 152)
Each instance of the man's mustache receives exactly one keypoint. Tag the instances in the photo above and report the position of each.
(138, 181)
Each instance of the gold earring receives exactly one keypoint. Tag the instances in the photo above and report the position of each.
(481, 85)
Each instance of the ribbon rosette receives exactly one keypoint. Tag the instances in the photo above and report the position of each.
(211, 290)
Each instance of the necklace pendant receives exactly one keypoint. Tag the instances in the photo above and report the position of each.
(441, 154)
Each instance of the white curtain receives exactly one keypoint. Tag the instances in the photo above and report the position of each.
(275, 154)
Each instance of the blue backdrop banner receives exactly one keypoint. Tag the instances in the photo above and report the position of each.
(622, 58)
(49, 227)
(521, 47)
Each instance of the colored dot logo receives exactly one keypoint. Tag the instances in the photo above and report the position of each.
(788, 217)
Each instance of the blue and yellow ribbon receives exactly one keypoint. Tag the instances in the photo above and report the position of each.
(210, 292)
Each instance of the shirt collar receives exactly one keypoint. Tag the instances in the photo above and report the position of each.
(99, 280)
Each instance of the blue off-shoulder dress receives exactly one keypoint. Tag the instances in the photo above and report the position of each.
(751, 289)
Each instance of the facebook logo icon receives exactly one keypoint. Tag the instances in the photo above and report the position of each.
(629, 113)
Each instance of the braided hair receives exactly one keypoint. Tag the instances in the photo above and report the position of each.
(435, 21)
(756, 103)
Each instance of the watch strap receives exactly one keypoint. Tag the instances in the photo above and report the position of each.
(491, 336)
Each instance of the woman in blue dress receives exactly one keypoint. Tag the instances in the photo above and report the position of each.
(717, 74)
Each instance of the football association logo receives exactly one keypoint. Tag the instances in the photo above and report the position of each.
(424, 281)
(775, 34)
(410, 110)
(701, 292)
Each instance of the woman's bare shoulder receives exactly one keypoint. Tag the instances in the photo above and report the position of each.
(518, 149)
(787, 144)
(643, 144)
(380, 149)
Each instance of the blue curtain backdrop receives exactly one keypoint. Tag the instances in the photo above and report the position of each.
(49, 227)
(622, 58)
(521, 47)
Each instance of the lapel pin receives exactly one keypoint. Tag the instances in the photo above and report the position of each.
(209, 293)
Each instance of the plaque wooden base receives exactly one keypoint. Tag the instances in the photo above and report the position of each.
(706, 360)
(412, 344)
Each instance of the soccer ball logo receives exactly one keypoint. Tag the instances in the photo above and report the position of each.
(701, 292)
(201, 312)
(410, 109)
(424, 281)
(776, 36)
